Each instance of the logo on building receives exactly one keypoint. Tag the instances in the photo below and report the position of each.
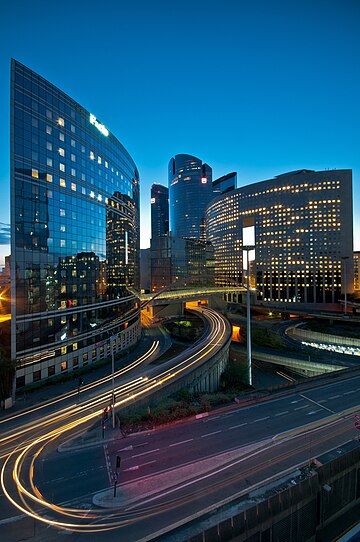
(98, 125)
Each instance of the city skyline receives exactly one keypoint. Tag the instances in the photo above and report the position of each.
(258, 90)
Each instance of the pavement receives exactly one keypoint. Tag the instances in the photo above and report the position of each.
(150, 486)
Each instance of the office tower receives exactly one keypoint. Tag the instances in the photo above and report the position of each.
(224, 184)
(190, 191)
(304, 235)
(159, 211)
(75, 233)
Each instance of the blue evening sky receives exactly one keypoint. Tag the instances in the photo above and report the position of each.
(260, 87)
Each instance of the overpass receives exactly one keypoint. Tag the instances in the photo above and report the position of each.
(173, 302)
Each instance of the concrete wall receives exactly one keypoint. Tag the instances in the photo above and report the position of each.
(317, 509)
(299, 333)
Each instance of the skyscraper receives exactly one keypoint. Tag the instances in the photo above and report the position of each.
(159, 211)
(190, 192)
(75, 233)
(224, 184)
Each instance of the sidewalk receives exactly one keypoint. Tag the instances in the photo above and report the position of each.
(151, 485)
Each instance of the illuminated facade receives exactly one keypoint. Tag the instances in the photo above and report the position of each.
(190, 191)
(304, 232)
(75, 233)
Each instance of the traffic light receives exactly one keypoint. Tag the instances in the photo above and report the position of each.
(106, 413)
(118, 461)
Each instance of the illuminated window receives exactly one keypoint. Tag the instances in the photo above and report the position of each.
(63, 363)
(35, 173)
(63, 183)
(62, 167)
(73, 187)
(49, 177)
(73, 157)
(61, 151)
(75, 346)
(49, 146)
(61, 137)
(61, 121)
(48, 130)
(73, 172)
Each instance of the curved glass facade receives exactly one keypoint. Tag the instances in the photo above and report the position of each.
(303, 235)
(190, 192)
(75, 232)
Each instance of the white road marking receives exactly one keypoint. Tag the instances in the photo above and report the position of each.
(240, 425)
(141, 444)
(318, 404)
(300, 407)
(313, 412)
(108, 464)
(210, 434)
(182, 442)
(137, 467)
(335, 397)
(348, 392)
(282, 413)
(145, 453)
(261, 419)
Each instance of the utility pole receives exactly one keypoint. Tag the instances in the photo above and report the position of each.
(248, 318)
(344, 258)
(113, 380)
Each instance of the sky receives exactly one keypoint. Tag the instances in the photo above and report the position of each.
(256, 87)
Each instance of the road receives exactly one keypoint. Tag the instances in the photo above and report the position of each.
(250, 436)
(29, 435)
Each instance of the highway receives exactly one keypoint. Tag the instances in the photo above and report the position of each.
(171, 474)
(26, 437)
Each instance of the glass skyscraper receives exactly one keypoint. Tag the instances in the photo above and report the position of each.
(190, 192)
(159, 211)
(75, 233)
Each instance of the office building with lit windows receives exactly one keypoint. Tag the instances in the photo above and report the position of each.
(75, 233)
(303, 235)
(190, 192)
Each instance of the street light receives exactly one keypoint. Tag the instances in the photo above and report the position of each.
(112, 380)
(344, 258)
(248, 235)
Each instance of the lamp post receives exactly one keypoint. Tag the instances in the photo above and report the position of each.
(248, 314)
(112, 380)
(344, 258)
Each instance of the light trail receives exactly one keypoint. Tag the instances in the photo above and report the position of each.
(28, 451)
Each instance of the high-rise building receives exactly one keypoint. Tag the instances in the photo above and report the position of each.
(159, 211)
(190, 192)
(224, 184)
(303, 235)
(75, 233)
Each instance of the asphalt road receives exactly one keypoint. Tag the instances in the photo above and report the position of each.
(74, 476)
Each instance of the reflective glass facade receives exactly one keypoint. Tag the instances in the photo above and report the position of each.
(190, 192)
(75, 232)
(303, 235)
